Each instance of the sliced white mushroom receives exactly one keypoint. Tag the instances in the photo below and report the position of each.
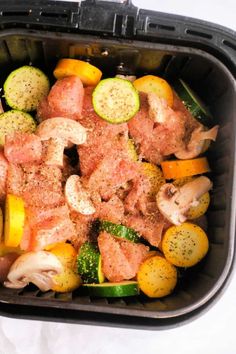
(78, 197)
(198, 143)
(130, 78)
(38, 268)
(60, 133)
(174, 202)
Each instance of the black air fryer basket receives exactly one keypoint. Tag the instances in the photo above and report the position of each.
(112, 35)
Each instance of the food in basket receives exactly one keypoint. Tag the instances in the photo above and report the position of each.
(102, 187)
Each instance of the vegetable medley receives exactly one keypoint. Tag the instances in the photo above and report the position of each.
(102, 181)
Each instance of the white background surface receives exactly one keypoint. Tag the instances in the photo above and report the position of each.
(213, 333)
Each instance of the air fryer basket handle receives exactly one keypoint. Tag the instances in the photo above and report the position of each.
(125, 2)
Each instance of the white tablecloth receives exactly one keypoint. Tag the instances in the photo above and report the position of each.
(212, 333)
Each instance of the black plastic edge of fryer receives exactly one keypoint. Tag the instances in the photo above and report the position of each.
(121, 20)
(105, 319)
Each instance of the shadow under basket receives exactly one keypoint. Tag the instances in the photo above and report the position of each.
(211, 74)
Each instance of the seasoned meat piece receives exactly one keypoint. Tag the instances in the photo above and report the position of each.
(57, 229)
(3, 176)
(111, 174)
(22, 148)
(112, 210)
(149, 226)
(138, 191)
(83, 225)
(42, 185)
(47, 226)
(102, 138)
(120, 258)
(65, 99)
(157, 129)
(15, 179)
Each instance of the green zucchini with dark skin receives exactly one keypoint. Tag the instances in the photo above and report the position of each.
(122, 289)
(90, 264)
(118, 230)
(193, 103)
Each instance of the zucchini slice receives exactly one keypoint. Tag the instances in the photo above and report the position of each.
(115, 100)
(15, 121)
(122, 289)
(193, 103)
(25, 87)
(119, 231)
(89, 263)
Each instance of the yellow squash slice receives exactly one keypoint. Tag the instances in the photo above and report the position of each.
(88, 74)
(185, 245)
(14, 220)
(156, 85)
(157, 277)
